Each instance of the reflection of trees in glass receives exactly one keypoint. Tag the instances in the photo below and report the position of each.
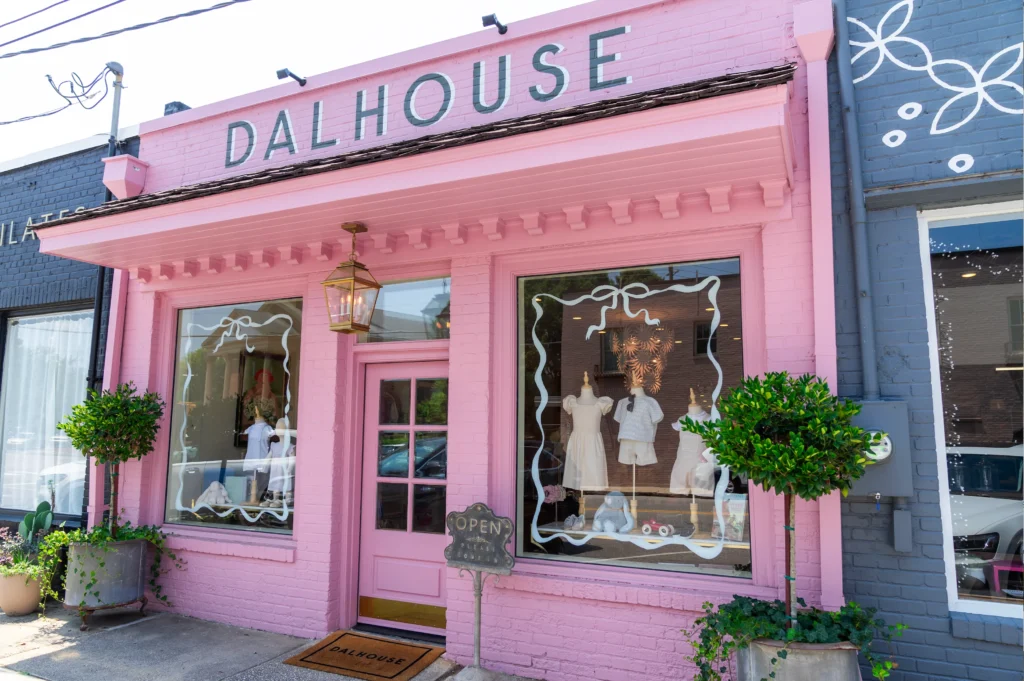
(640, 275)
(549, 329)
(434, 410)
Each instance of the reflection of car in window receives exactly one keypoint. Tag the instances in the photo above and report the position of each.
(986, 486)
(431, 459)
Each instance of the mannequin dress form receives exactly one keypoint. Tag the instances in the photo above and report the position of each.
(638, 417)
(693, 472)
(257, 449)
(282, 465)
(586, 466)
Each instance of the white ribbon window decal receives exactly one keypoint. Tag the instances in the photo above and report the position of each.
(627, 296)
(234, 329)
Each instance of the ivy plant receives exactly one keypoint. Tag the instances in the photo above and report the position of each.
(112, 427)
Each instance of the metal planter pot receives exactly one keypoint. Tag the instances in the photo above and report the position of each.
(804, 662)
(19, 595)
(120, 570)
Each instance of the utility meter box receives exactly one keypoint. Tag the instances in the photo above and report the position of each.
(892, 474)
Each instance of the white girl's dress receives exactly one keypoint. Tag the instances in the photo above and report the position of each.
(694, 470)
(282, 467)
(586, 467)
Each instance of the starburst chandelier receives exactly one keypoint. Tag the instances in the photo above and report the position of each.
(641, 353)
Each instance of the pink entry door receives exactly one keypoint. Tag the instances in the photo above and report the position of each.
(405, 471)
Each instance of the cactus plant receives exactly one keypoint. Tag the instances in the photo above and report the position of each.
(36, 522)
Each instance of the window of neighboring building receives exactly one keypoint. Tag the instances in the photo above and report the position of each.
(609, 358)
(411, 310)
(234, 416)
(976, 277)
(46, 358)
(590, 457)
(703, 340)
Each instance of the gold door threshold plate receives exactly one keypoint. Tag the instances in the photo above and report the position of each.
(403, 612)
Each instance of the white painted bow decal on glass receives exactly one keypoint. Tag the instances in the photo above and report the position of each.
(612, 295)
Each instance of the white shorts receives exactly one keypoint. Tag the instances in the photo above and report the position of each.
(634, 451)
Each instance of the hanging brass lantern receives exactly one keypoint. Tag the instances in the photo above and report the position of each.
(351, 291)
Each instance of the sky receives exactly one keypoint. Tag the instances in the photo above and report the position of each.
(207, 58)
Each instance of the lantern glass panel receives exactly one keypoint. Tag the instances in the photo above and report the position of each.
(366, 298)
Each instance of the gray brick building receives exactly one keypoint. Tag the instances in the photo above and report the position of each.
(937, 86)
(46, 313)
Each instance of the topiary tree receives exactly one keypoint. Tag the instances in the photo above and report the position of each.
(113, 427)
(792, 436)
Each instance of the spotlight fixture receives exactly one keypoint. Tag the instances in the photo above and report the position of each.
(968, 275)
(492, 20)
(286, 73)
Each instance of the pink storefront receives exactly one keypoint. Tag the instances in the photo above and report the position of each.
(586, 228)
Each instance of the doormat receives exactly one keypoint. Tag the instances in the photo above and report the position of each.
(349, 653)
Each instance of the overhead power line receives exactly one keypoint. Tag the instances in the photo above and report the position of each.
(61, 23)
(38, 11)
(136, 27)
(78, 91)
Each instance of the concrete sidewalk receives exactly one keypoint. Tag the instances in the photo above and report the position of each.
(128, 647)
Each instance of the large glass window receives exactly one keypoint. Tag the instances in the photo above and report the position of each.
(46, 358)
(411, 310)
(609, 361)
(976, 281)
(234, 416)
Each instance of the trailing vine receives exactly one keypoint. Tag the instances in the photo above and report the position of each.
(53, 549)
(734, 626)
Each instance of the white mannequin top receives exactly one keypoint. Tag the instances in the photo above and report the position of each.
(640, 423)
(257, 447)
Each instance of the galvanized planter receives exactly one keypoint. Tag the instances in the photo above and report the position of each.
(120, 569)
(804, 661)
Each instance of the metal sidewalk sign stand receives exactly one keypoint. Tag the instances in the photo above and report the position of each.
(479, 540)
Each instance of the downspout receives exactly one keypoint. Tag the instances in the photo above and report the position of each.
(901, 514)
(93, 378)
(858, 209)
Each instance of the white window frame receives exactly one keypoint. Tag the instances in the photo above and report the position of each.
(924, 220)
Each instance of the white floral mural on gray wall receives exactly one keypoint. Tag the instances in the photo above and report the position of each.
(971, 89)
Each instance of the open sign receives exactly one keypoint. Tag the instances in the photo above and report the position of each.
(479, 539)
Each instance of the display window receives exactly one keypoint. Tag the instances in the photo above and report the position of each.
(234, 416)
(608, 363)
(976, 274)
(46, 359)
(411, 310)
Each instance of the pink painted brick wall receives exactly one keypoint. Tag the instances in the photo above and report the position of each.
(270, 582)
(553, 626)
(669, 43)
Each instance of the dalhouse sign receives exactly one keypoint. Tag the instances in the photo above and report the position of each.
(424, 103)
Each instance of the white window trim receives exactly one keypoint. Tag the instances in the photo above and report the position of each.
(924, 219)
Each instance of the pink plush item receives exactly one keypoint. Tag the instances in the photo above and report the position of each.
(553, 493)
(124, 175)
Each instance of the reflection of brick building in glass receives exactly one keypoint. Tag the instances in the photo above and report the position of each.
(684, 320)
(979, 326)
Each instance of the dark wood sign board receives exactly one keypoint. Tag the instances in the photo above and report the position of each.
(479, 540)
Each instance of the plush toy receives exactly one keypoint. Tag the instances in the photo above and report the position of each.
(613, 515)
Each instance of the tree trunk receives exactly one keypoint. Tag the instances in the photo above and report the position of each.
(115, 471)
(790, 505)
